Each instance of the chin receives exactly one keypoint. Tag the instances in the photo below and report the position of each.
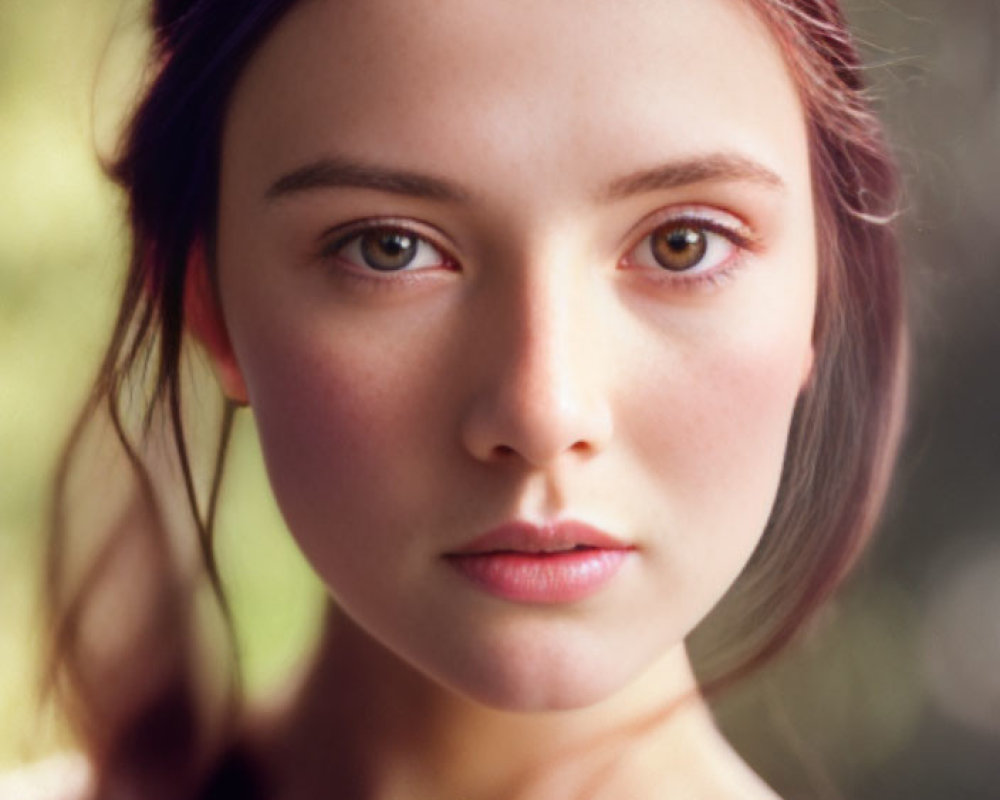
(546, 679)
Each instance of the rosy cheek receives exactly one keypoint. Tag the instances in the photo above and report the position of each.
(303, 419)
(713, 419)
(337, 421)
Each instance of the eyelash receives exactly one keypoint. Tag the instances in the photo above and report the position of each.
(735, 233)
(353, 233)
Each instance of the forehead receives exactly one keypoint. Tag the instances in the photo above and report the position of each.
(554, 91)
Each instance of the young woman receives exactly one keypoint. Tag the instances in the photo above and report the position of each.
(558, 321)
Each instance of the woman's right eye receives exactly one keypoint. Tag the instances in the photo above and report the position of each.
(387, 249)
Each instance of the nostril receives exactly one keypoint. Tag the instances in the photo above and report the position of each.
(505, 452)
(505, 427)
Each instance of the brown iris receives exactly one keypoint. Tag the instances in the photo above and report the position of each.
(678, 247)
(388, 250)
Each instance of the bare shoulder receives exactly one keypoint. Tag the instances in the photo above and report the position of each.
(716, 771)
(712, 770)
(749, 786)
(734, 778)
(60, 777)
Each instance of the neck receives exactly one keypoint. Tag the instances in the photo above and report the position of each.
(365, 724)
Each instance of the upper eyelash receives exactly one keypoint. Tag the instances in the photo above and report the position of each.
(740, 235)
(355, 229)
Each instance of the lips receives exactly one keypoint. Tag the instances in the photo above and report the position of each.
(559, 562)
(555, 537)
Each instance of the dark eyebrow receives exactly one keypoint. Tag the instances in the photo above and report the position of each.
(718, 167)
(328, 173)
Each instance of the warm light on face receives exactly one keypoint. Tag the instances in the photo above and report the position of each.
(520, 262)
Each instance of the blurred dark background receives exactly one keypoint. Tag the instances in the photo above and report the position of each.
(895, 694)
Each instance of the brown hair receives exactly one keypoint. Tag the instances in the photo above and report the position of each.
(846, 427)
(147, 718)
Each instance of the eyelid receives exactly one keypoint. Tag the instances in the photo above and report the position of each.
(710, 219)
(335, 238)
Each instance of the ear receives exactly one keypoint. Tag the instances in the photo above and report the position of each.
(203, 316)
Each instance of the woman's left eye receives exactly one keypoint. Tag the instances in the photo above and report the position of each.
(687, 246)
(387, 249)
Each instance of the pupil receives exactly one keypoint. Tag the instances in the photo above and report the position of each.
(679, 248)
(679, 241)
(394, 244)
(388, 250)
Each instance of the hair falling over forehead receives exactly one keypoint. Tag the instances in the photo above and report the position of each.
(160, 720)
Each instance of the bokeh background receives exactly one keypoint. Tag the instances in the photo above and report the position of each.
(896, 694)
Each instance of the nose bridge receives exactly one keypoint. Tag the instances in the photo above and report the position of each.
(542, 392)
(548, 309)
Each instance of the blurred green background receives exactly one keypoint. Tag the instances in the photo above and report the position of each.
(68, 71)
(60, 254)
(895, 694)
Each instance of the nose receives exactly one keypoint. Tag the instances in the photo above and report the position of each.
(541, 391)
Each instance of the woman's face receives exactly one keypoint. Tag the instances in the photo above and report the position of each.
(526, 269)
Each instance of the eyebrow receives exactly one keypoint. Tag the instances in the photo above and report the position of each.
(331, 173)
(710, 168)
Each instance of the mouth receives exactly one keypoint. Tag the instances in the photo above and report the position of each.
(554, 537)
(543, 552)
(560, 562)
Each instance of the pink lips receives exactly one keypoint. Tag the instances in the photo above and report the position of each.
(560, 562)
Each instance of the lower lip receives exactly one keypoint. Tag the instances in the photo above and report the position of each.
(541, 577)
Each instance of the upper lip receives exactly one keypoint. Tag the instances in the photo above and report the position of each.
(549, 537)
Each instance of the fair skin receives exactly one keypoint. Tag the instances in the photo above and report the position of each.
(539, 359)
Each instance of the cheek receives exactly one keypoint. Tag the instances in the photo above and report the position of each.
(340, 422)
(710, 419)
(745, 401)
